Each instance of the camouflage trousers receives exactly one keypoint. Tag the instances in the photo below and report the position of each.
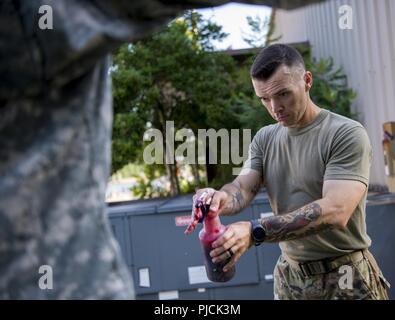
(366, 282)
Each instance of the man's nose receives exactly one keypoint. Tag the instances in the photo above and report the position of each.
(276, 106)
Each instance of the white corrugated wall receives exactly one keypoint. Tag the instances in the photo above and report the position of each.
(366, 53)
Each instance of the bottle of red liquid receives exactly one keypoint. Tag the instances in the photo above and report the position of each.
(211, 231)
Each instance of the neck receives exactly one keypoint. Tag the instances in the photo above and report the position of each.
(309, 115)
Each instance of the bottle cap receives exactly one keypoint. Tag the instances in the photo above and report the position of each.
(204, 208)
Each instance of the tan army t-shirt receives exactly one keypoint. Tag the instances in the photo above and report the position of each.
(294, 163)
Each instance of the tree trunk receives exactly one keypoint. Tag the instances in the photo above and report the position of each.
(173, 178)
(176, 180)
(195, 172)
(211, 169)
(271, 29)
(171, 169)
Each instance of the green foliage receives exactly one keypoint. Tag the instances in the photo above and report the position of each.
(186, 186)
(172, 76)
(251, 113)
(329, 88)
(176, 76)
(261, 31)
(202, 32)
(149, 182)
(223, 176)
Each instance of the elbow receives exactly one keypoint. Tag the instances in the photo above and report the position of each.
(342, 223)
(340, 217)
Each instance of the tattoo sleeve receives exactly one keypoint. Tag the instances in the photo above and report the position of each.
(236, 201)
(300, 223)
(239, 198)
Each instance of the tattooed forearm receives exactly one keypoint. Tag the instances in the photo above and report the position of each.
(300, 223)
(236, 201)
(240, 195)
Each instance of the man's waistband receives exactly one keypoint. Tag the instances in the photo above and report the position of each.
(316, 267)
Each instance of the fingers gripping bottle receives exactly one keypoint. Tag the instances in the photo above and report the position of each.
(211, 231)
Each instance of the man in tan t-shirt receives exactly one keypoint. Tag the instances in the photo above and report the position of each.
(315, 167)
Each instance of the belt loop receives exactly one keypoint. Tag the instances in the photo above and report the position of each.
(305, 272)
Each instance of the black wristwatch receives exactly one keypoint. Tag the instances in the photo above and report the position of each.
(257, 232)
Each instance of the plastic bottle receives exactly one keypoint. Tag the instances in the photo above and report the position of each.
(211, 231)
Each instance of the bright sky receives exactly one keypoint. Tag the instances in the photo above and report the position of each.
(233, 18)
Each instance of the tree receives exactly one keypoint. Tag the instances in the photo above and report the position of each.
(174, 75)
(330, 88)
(261, 31)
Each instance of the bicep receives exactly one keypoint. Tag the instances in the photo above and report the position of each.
(343, 196)
(350, 156)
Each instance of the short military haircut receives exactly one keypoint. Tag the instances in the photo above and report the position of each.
(273, 56)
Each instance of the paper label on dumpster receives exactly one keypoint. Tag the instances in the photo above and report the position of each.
(144, 280)
(182, 221)
(266, 214)
(197, 275)
(168, 295)
(269, 277)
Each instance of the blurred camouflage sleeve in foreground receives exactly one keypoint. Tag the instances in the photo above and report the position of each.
(55, 138)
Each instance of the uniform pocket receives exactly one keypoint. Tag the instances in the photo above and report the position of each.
(348, 282)
(380, 282)
(365, 286)
(372, 279)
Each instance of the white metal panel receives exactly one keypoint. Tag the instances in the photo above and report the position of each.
(366, 53)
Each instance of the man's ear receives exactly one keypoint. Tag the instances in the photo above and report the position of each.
(308, 80)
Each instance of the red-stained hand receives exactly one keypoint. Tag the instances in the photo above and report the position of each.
(202, 196)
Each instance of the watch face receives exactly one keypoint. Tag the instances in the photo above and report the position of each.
(259, 233)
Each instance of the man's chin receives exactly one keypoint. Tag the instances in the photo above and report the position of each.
(285, 123)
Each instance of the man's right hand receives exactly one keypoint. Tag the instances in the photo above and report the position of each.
(215, 198)
(232, 198)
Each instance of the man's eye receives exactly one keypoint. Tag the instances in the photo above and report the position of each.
(283, 94)
(265, 99)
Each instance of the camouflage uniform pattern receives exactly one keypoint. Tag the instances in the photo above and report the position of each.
(291, 284)
(55, 135)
